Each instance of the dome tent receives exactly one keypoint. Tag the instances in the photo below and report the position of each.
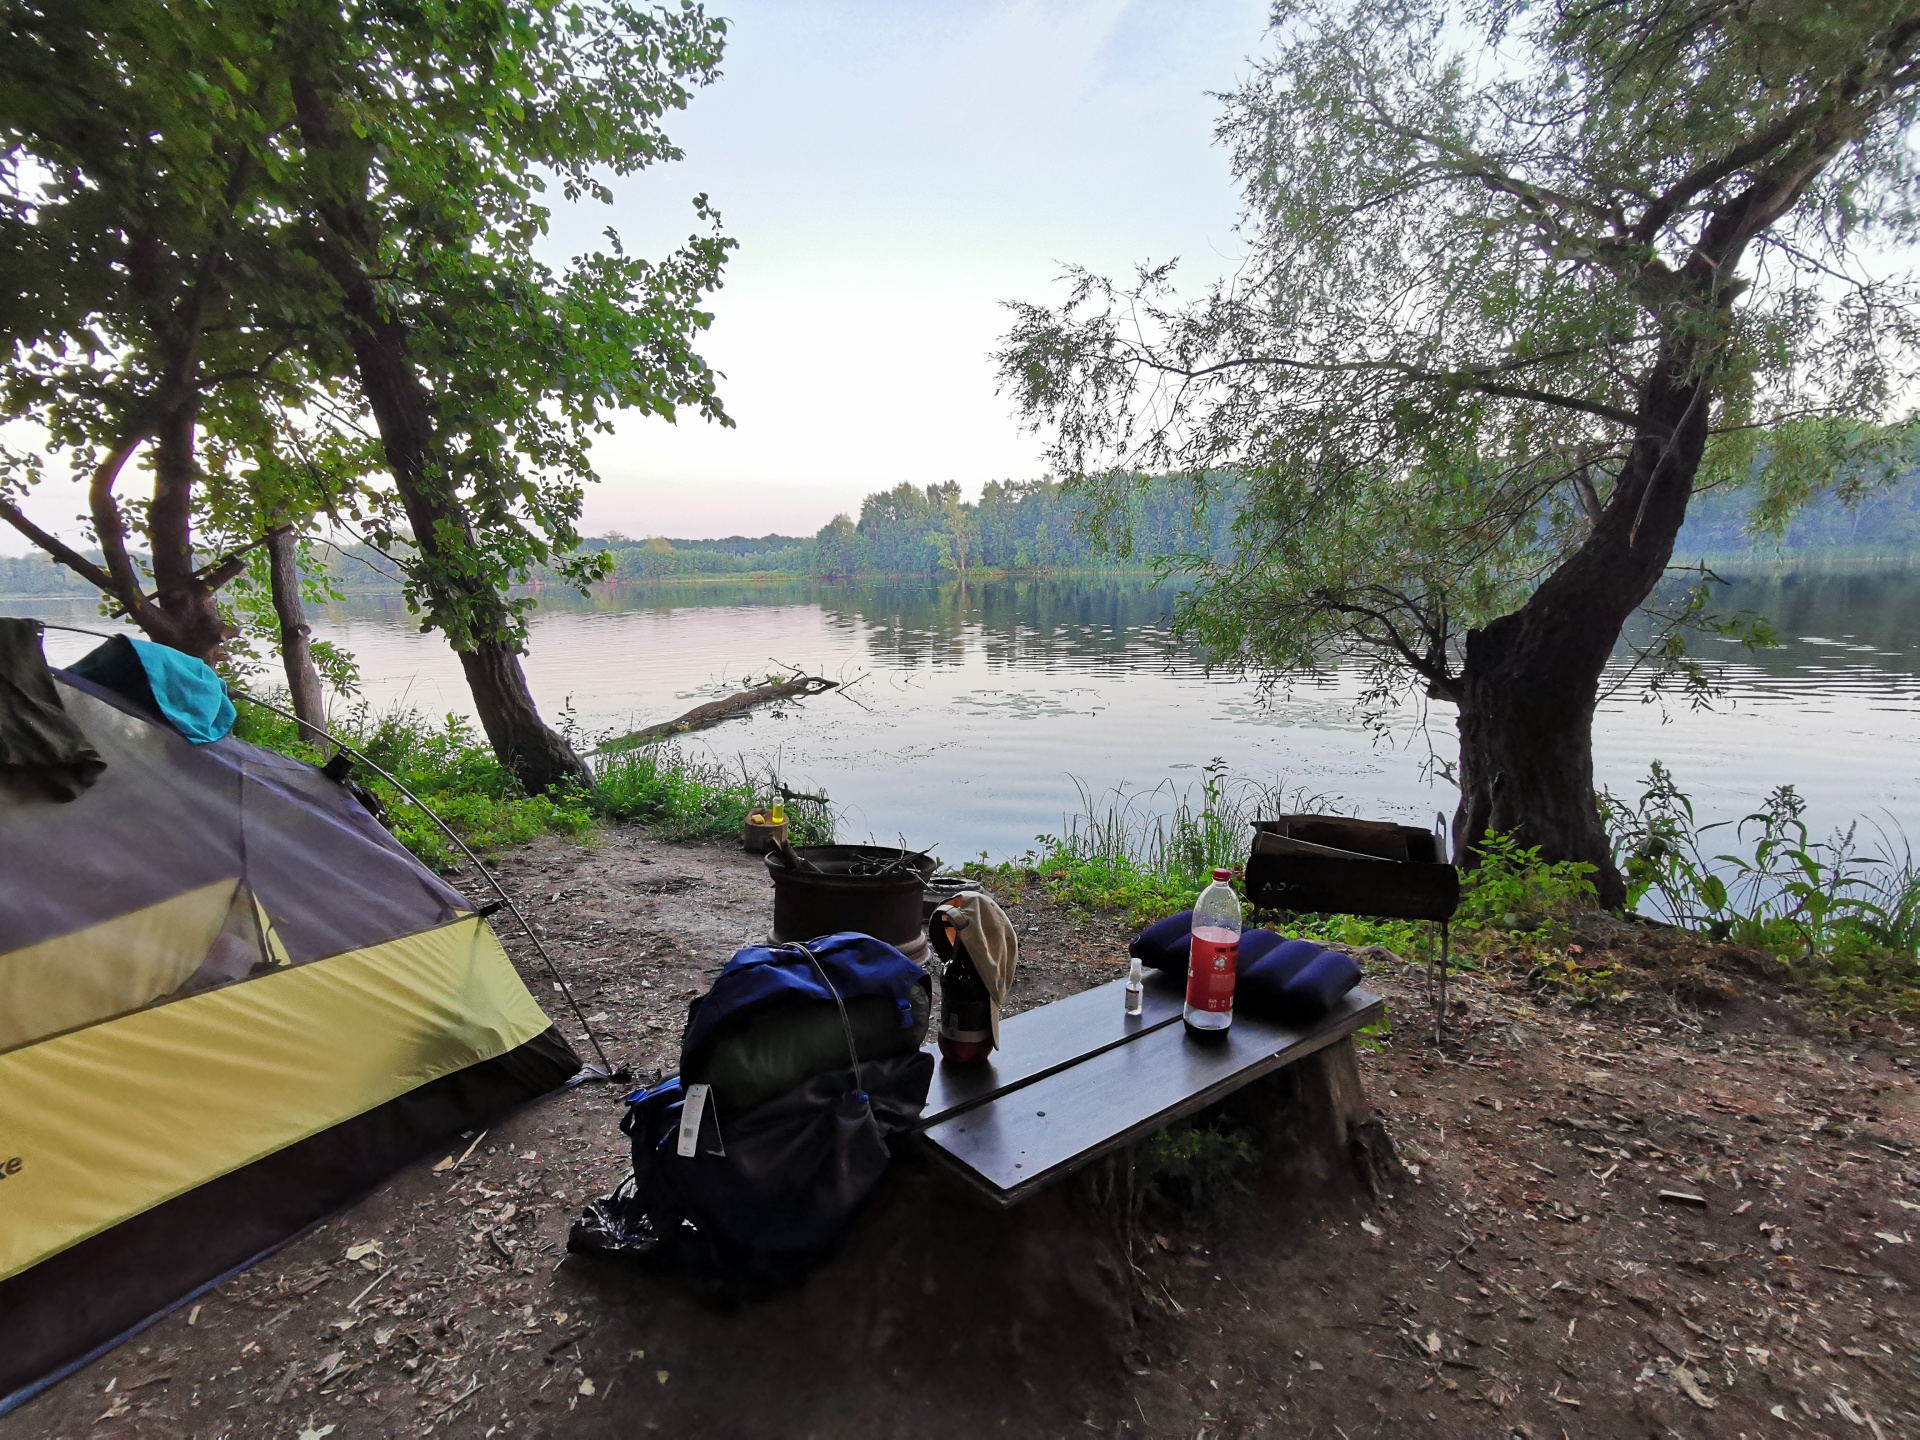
(230, 1002)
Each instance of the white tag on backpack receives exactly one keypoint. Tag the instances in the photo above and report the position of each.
(691, 1111)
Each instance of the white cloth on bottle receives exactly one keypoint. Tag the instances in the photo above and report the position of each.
(981, 928)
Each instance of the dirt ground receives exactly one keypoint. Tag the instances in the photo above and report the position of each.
(1689, 1210)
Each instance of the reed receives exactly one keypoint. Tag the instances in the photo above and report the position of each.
(1147, 853)
(660, 787)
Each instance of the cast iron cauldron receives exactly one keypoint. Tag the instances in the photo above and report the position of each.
(887, 905)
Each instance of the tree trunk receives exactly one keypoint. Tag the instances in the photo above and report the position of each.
(1531, 679)
(526, 745)
(188, 619)
(184, 617)
(461, 602)
(1526, 757)
(464, 605)
(296, 650)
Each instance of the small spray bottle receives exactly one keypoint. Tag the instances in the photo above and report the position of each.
(1136, 988)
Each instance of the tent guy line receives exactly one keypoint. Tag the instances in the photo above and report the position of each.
(606, 1070)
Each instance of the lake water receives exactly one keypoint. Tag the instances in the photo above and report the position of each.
(978, 713)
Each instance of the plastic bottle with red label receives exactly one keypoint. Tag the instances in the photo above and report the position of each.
(1213, 958)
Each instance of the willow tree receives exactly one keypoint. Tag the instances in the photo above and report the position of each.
(1520, 280)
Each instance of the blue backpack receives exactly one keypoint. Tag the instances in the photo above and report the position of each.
(746, 1199)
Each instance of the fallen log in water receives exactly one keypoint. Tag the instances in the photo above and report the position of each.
(714, 711)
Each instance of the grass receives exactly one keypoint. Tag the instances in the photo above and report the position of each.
(1845, 927)
(1147, 853)
(451, 768)
(658, 787)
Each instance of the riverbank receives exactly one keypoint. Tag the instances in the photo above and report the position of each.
(998, 697)
(1532, 1282)
(1858, 959)
(1758, 560)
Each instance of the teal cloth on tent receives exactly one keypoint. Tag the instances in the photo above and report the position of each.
(188, 692)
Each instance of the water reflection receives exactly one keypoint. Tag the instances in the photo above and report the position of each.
(984, 701)
(1831, 616)
(1853, 611)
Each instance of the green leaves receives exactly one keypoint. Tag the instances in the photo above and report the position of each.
(1513, 888)
(1779, 889)
(174, 174)
(458, 117)
(159, 297)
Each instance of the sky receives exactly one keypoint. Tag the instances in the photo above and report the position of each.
(893, 173)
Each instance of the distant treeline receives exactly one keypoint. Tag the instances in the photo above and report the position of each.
(908, 530)
(1884, 522)
(1037, 526)
(39, 574)
(346, 568)
(663, 558)
(929, 530)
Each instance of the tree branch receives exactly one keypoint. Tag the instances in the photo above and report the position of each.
(1456, 379)
(1393, 640)
(58, 549)
(110, 528)
(1629, 418)
(1589, 497)
(1775, 136)
(216, 573)
(1471, 166)
(225, 571)
(1748, 152)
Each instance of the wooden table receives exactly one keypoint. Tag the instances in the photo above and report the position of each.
(1080, 1078)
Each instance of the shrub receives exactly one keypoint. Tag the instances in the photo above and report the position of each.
(1779, 890)
(452, 770)
(1196, 1165)
(1512, 888)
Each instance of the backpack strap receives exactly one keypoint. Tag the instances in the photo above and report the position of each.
(846, 1025)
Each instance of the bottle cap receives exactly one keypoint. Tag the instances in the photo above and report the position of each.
(1133, 971)
(1222, 873)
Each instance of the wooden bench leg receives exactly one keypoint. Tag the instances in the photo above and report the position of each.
(1053, 1280)
(931, 1264)
(1314, 1121)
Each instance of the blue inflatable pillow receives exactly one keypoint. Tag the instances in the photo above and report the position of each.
(1262, 984)
(1164, 944)
(1297, 983)
(1256, 945)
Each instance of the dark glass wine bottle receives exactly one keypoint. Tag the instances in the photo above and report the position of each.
(966, 1018)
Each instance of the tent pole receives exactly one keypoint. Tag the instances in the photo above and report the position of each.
(607, 1071)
